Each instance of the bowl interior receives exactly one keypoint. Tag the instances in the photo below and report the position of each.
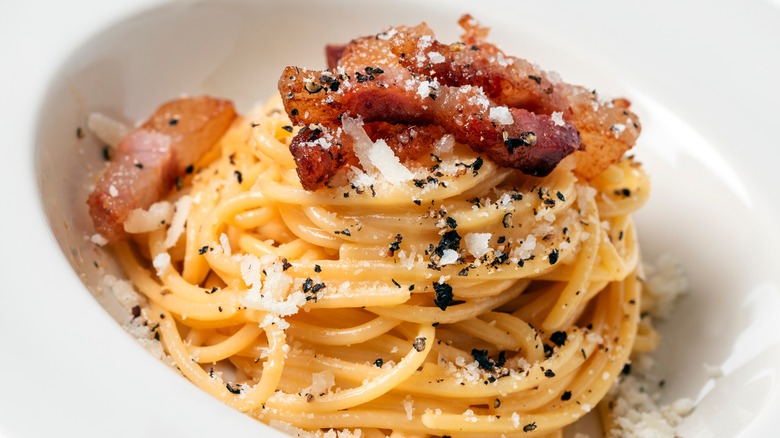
(700, 210)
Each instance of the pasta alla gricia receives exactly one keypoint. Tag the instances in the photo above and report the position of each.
(466, 265)
(285, 286)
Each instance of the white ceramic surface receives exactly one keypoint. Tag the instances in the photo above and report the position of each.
(703, 76)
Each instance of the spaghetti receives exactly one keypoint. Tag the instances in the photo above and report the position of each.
(469, 301)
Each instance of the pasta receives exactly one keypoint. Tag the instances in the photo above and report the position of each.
(470, 301)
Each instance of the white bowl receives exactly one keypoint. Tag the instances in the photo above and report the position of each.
(702, 80)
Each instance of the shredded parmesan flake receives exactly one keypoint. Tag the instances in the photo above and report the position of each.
(557, 118)
(515, 420)
(449, 257)
(477, 243)
(144, 221)
(250, 272)
(501, 115)
(388, 164)
(321, 383)
(161, 262)
(182, 209)
(408, 407)
(436, 57)
(98, 239)
(225, 244)
(376, 155)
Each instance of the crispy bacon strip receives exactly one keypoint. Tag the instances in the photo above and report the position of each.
(319, 155)
(149, 159)
(608, 128)
(394, 95)
(505, 80)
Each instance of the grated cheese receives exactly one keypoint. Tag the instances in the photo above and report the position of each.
(594, 338)
(436, 57)
(526, 249)
(144, 221)
(408, 407)
(637, 413)
(387, 35)
(505, 200)
(444, 145)
(515, 420)
(479, 98)
(182, 209)
(557, 118)
(321, 383)
(145, 337)
(470, 416)
(271, 319)
(424, 42)
(360, 178)
(502, 60)
(617, 128)
(375, 155)
(501, 115)
(225, 244)
(122, 289)
(448, 257)
(388, 164)
(427, 87)
(98, 240)
(477, 244)
(636, 396)
(666, 281)
(161, 262)
(275, 293)
(250, 272)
